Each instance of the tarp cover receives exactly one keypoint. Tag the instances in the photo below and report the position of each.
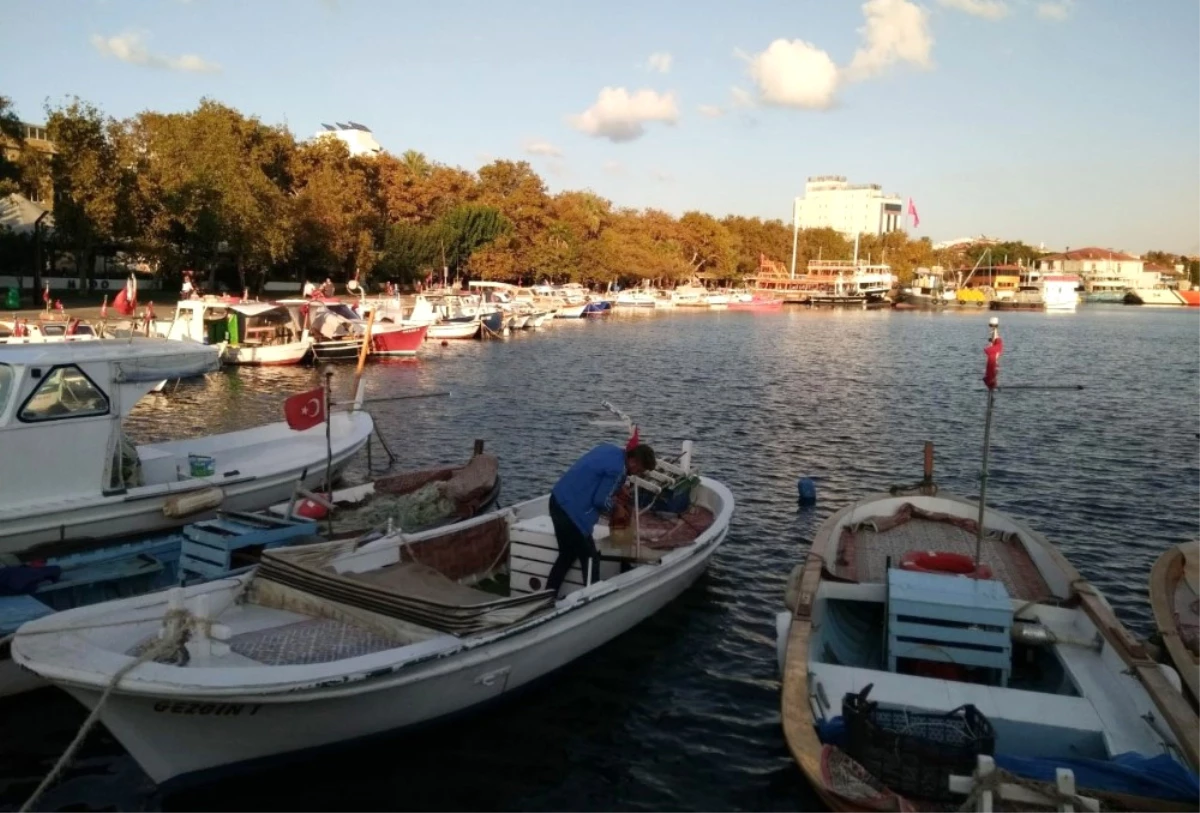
(1157, 777)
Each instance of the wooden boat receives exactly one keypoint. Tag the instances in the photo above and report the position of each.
(63, 405)
(337, 641)
(1174, 585)
(1034, 652)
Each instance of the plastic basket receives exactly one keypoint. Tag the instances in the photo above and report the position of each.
(915, 753)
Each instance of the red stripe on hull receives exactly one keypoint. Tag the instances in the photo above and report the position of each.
(402, 342)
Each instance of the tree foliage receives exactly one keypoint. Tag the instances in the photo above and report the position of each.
(228, 195)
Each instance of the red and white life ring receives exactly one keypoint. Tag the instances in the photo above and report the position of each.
(932, 561)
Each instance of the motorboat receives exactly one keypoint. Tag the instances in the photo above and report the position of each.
(84, 482)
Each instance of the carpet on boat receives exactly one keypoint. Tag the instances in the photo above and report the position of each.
(865, 549)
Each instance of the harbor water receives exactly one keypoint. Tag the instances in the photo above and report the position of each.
(683, 712)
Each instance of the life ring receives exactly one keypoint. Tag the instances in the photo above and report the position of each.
(104, 284)
(932, 561)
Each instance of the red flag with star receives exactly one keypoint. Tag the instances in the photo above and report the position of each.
(305, 410)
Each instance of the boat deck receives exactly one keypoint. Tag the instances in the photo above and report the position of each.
(863, 553)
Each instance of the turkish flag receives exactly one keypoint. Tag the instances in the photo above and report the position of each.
(305, 410)
(993, 351)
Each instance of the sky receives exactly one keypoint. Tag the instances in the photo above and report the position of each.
(1065, 122)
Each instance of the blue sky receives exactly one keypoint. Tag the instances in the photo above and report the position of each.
(1069, 122)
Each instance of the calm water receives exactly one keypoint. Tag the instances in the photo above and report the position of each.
(682, 712)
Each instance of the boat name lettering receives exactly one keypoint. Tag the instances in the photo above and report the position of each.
(206, 709)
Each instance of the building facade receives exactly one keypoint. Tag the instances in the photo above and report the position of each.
(357, 138)
(35, 139)
(831, 202)
(1102, 270)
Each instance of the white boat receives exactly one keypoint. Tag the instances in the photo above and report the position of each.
(62, 406)
(569, 311)
(464, 327)
(896, 627)
(254, 333)
(636, 298)
(342, 640)
(49, 327)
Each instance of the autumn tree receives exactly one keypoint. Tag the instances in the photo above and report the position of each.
(11, 133)
(334, 220)
(91, 183)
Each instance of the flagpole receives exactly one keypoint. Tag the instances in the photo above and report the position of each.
(993, 325)
(328, 439)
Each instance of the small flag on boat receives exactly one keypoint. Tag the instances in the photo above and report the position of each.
(993, 351)
(305, 410)
(633, 441)
(104, 308)
(912, 212)
(126, 299)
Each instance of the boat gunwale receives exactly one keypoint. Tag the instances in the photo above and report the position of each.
(1165, 576)
(381, 675)
(799, 725)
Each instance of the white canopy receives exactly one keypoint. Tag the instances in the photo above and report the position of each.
(19, 214)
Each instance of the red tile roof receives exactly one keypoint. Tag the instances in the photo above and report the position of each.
(1090, 254)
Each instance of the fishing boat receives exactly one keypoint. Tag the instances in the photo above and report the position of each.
(50, 326)
(938, 653)
(461, 327)
(227, 544)
(255, 333)
(63, 406)
(754, 302)
(1175, 601)
(410, 501)
(338, 331)
(338, 641)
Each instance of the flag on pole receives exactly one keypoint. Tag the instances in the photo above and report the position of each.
(912, 212)
(993, 351)
(633, 441)
(305, 410)
(126, 299)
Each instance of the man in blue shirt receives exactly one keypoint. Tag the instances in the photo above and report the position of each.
(580, 495)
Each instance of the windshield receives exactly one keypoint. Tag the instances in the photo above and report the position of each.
(8, 380)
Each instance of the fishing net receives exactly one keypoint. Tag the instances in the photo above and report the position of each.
(418, 509)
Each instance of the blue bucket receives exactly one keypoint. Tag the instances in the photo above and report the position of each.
(201, 465)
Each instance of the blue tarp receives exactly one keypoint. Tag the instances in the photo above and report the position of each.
(1157, 777)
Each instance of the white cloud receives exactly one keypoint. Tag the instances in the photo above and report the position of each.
(795, 74)
(711, 110)
(1057, 10)
(742, 97)
(987, 9)
(129, 47)
(619, 115)
(543, 148)
(614, 167)
(662, 176)
(660, 62)
(895, 31)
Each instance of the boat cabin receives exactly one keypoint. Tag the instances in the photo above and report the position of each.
(212, 321)
(61, 407)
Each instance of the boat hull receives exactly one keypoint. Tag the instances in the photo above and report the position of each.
(140, 511)
(335, 351)
(178, 737)
(290, 353)
(1171, 595)
(402, 341)
(461, 329)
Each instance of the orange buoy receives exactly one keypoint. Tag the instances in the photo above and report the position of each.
(955, 564)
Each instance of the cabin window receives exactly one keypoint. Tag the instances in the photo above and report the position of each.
(7, 377)
(65, 392)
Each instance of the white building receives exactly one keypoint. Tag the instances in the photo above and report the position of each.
(357, 138)
(1102, 270)
(830, 202)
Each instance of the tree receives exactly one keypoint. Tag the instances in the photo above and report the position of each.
(12, 132)
(708, 245)
(468, 228)
(334, 218)
(410, 252)
(91, 184)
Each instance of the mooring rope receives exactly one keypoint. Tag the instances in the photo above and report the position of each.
(158, 649)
